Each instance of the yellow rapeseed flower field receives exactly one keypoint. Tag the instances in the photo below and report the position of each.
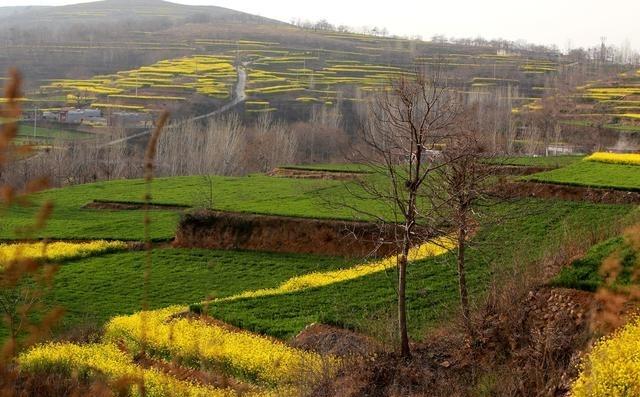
(615, 158)
(251, 355)
(206, 74)
(612, 368)
(320, 279)
(55, 251)
(109, 361)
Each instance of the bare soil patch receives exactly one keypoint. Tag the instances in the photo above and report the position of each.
(339, 342)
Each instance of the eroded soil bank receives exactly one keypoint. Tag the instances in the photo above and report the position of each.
(239, 231)
(566, 192)
(315, 174)
(128, 206)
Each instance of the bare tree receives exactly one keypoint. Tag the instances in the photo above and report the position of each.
(272, 143)
(461, 185)
(115, 163)
(206, 192)
(195, 148)
(404, 126)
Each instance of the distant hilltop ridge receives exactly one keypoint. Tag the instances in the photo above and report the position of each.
(111, 9)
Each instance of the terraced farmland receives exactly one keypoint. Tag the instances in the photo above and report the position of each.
(152, 87)
(108, 289)
(538, 161)
(281, 284)
(593, 174)
(233, 313)
(26, 132)
(255, 194)
(616, 100)
(281, 77)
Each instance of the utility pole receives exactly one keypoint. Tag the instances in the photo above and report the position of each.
(35, 121)
(603, 50)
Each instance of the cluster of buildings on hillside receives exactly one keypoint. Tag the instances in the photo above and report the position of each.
(95, 117)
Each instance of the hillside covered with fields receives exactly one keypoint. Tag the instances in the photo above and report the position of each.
(110, 69)
(192, 60)
(199, 201)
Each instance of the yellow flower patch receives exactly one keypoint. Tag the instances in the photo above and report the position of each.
(321, 279)
(107, 360)
(55, 251)
(251, 355)
(612, 369)
(114, 106)
(208, 75)
(615, 158)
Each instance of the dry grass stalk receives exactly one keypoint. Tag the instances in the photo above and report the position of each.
(23, 282)
(149, 159)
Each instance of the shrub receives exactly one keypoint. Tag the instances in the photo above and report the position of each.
(196, 308)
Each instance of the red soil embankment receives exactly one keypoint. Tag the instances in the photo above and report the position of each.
(238, 231)
(517, 169)
(130, 206)
(315, 174)
(566, 192)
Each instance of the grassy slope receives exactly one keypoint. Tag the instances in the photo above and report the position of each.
(584, 273)
(255, 194)
(69, 221)
(536, 229)
(593, 174)
(92, 290)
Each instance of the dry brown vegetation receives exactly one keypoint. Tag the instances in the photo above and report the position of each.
(225, 145)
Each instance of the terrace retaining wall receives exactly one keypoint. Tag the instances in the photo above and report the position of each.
(237, 231)
(566, 192)
(315, 174)
(518, 170)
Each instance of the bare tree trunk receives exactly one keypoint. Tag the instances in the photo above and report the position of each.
(462, 279)
(465, 182)
(405, 350)
(410, 220)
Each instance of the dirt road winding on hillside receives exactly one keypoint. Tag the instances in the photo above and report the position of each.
(239, 96)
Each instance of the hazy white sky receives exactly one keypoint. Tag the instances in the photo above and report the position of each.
(580, 22)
